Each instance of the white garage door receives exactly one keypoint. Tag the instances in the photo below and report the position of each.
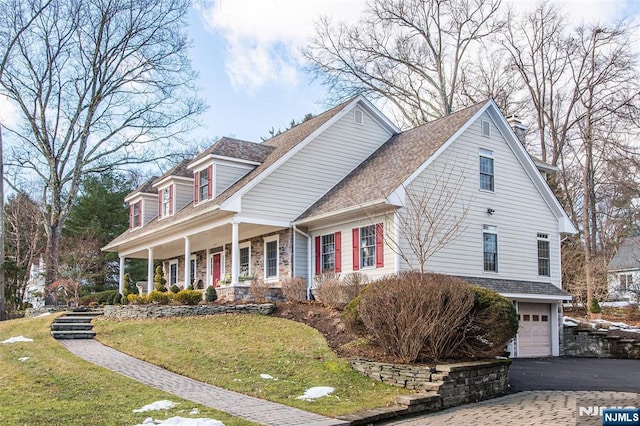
(534, 334)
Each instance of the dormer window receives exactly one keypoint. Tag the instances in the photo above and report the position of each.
(135, 215)
(167, 201)
(203, 184)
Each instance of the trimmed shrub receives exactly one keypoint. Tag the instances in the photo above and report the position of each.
(259, 290)
(295, 289)
(328, 290)
(99, 298)
(594, 307)
(188, 297)
(159, 297)
(159, 283)
(116, 299)
(211, 295)
(174, 289)
(110, 298)
(137, 299)
(351, 315)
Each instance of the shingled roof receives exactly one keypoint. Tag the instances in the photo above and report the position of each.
(518, 287)
(627, 256)
(386, 169)
(179, 170)
(146, 187)
(236, 148)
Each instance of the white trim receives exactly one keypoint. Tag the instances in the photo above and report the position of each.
(260, 221)
(346, 210)
(533, 297)
(223, 271)
(167, 180)
(360, 101)
(173, 262)
(193, 270)
(270, 239)
(491, 229)
(246, 244)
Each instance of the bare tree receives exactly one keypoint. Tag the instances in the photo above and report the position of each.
(412, 53)
(98, 83)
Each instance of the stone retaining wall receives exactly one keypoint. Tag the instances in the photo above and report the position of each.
(587, 343)
(455, 384)
(163, 311)
(33, 312)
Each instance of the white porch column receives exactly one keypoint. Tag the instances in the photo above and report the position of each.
(555, 330)
(150, 272)
(121, 276)
(187, 262)
(235, 254)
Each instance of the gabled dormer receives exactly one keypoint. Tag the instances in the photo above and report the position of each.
(142, 203)
(174, 190)
(222, 164)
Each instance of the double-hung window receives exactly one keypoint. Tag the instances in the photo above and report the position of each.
(626, 282)
(136, 215)
(173, 272)
(192, 270)
(368, 246)
(544, 255)
(329, 253)
(271, 257)
(486, 170)
(203, 184)
(245, 260)
(490, 248)
(166, 202)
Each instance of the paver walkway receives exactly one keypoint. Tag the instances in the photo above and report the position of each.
(254, 409)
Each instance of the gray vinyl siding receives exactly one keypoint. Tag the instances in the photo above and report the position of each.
(301, 256)
(149, 208)
(315, 169)
(183, 195)
(520, 212)
(226, 175)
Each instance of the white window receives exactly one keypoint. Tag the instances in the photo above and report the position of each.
(626, 282)
(271, 257)
(192, 270)
(136, 215)
(490, 248)
(166, 202)
(173, 272)
(245, 259)
(486, 128)
(368, 246)
(486, 170)
(203, 184)
(544, 256)
(328, 253)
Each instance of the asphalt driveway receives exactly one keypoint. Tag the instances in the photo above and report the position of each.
(575, 374)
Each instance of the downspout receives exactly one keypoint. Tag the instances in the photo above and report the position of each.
(308, 237)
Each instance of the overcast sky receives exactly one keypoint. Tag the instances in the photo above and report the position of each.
(247, 55)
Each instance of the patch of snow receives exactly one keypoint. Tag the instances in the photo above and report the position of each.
(601, 325)
(154, 406)
(23, 359)
(182, 421)
(194, 412)
(316, 392)
(17, 339)
(44, 314)
(617, 304)
(569, 322)
(267, 377)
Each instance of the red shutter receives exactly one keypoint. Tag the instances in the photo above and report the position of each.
(379, 245)
(195, 187)
(159, 204)
(131, 224)
(171, 199)
(318, 257)
(337, 240)
(210, 182)
(140, 213)
(355, 249)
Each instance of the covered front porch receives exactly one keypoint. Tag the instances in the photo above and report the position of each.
(225, 251)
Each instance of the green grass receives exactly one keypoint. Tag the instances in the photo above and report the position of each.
(54, 387)
(232, 351)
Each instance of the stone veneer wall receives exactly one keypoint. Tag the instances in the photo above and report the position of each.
(164, 311)
(257, 255)
(455, 384)
(588, 343)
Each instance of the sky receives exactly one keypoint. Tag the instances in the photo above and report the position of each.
(252, 75)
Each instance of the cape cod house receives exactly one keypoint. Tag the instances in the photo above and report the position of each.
(624, 272)
(329, 195)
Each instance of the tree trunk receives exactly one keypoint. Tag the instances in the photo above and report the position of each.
(2, 284)
(52, 252)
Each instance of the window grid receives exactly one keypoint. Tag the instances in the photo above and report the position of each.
(244, 261)
(486, 173)
(192, 271)
(203, 185)
(544, 258)
(136, 215)
(173, 273)
(490, 248)
(328, 253)
(368, 246)
(165, 202)
(271, 256)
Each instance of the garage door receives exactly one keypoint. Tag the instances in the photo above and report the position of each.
(534, 334)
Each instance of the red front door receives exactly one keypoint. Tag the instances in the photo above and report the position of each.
(216, 268)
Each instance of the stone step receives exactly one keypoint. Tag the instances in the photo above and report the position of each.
(63, 326)
(75, 319)
(85, 313)
(74, 334)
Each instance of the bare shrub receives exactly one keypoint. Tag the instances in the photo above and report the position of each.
(351, 315)
(352, 284)
(295, 289)
(259, 290)
(410, 313)
(328, 290)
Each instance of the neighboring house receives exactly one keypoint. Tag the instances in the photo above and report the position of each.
(35, 289)
(624, 272)
(328, 195)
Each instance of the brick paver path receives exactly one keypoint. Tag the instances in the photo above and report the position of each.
(540, 408)
(254, 409)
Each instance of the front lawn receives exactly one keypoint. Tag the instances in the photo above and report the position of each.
(51, 386)
(233, 351)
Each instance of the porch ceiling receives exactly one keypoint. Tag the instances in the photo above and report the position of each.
(208, 239)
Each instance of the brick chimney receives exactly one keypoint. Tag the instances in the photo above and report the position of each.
(518, 127)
